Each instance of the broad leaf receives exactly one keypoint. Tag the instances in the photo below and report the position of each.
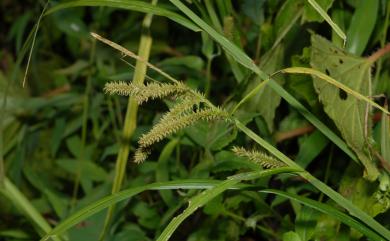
(349, 116)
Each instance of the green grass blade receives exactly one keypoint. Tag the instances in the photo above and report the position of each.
(17, 198)
(229, 47)
(33, 43)
(335, 196)
(103, 203)
(243, 59)
(204, 197)
(331, 211)
(327, 18)
(362, 26)
(330, 80)
(138, 6)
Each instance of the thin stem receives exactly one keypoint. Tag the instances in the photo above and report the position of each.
(281, 136)
(208, 77)
(327, 170)
(33, 43)
(378, 54)
(383, 42)
(250, 95)
(258, 47)
(130, 123)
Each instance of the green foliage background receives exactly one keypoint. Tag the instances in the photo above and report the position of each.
(64, 143)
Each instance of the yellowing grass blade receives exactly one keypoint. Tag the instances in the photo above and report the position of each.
(327, 78)
(327, 18)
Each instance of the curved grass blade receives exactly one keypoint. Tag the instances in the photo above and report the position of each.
(103, 203)
(330, 80)
(138, 6)
(327, 18)
(243, 59)
(331, 211)
(33, 43)
(24, 205)
(335, 196)
(204, 197)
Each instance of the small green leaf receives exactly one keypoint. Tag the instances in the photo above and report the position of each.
(131, 232)
(147, 216)
(361, 192)
(310, 147)
(71, 23)
(306, 222)
(214, 207)
(88, 169)
(291, 236)
(254, 10)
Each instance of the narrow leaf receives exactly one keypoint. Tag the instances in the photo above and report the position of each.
(138, 6)
(103, 203)
(327, 18)
(330, 80)
(331, 211)
(243, 59)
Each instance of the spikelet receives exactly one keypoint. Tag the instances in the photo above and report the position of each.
(186, 104)
(143, 93)
(141, 155)
(257, 157)
(191, 106)
(172, 124)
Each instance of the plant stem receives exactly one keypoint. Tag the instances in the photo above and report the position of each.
(208, 77)
(130, 123)
(380, 53)
(383, 42)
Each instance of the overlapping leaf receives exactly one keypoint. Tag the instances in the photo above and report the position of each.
(347, 112)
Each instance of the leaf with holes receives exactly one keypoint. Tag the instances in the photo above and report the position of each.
(347, 112)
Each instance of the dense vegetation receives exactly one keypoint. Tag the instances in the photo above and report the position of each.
(194, 120)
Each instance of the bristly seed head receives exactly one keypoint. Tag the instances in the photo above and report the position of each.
(143, 93)
(257, 157)
(190, 108)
